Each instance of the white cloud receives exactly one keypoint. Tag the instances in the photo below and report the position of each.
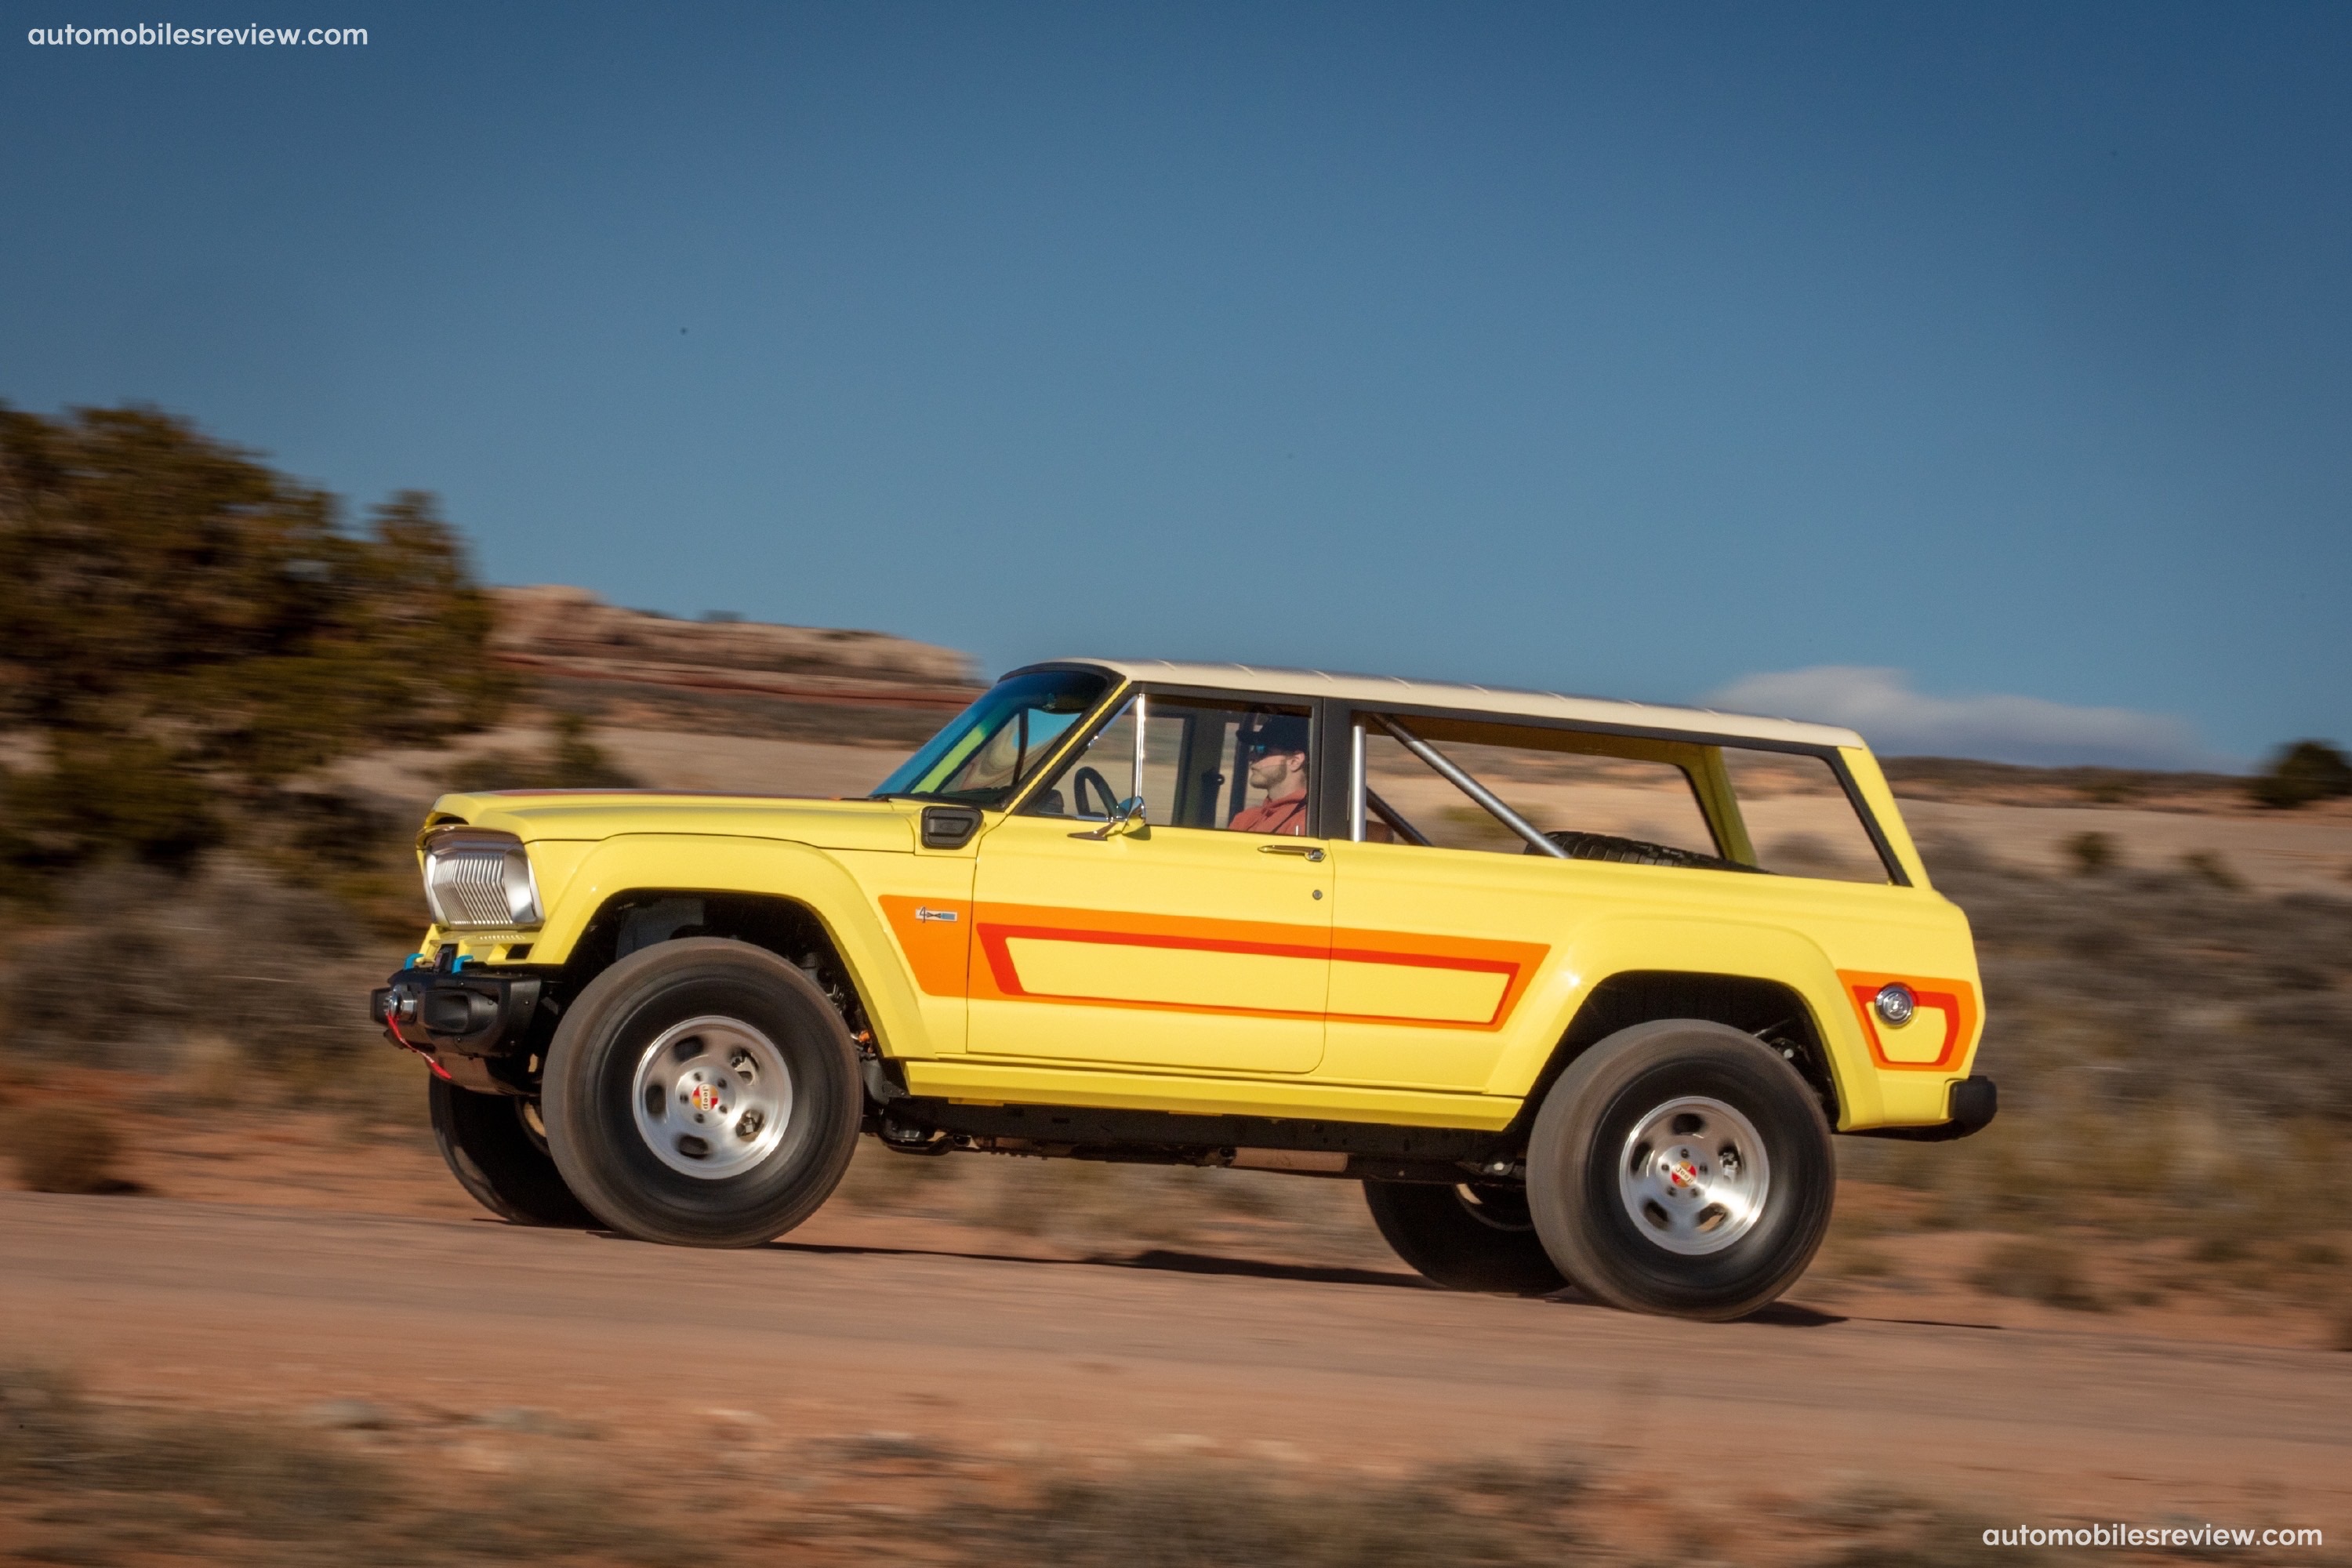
(1899, 722)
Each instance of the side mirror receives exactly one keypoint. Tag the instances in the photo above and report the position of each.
(1126, 817)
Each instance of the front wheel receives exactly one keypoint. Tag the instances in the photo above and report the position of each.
(702, 1093)
(1472, 1236)
(498, 1154)
(1681, 1168)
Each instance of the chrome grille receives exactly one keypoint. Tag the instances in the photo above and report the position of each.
(478, 879)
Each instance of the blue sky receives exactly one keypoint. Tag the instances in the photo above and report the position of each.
(1983, 376)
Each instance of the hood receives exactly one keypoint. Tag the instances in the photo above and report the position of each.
(536, 815)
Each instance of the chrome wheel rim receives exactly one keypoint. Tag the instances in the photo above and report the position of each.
(712, 1096)
(1694, 1175)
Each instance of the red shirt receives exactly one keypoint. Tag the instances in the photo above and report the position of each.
(1287, 814)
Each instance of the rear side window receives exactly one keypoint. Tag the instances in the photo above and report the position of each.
(1597, 806)
(1630, 799)
(1800, 818)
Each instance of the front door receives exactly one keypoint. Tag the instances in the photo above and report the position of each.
(1200, 940)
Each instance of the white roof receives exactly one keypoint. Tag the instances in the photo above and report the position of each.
(1370, 690)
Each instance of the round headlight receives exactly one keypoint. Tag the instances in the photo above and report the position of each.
(1895, 1004)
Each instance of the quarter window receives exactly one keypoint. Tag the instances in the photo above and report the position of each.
(1800, 818)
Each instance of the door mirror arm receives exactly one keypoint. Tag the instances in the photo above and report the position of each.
(1124, 818)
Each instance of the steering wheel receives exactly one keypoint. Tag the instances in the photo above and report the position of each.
(1078, 783)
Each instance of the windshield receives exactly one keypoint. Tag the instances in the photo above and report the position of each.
(994, 745)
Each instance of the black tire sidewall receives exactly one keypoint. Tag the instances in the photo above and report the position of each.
(1580, 1136)
(487, 1147)
(1430, 1226)
(591, 1073)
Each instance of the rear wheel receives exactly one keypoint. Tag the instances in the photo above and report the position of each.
(702, 1093)
(498, 1153)
(1682, 1168)
(1467, 1238)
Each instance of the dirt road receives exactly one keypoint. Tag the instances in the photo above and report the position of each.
(857, 1331)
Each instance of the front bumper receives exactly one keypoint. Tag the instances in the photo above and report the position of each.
(475, 1026)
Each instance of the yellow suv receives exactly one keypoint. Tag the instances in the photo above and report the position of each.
(1578, 989)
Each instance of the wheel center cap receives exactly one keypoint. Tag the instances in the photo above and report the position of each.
(705, 1097)
(1683, 1174)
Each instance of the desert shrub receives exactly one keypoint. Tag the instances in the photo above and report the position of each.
(2300, 773)
(1878, 1527)
(185, 627)
(1849, 1251)
(131, 962)
(2156, 985)
(2036, 1269)
(2207, 866)
(572, 761)
(2092, 853)
(62, 1148)
(2164, 1044)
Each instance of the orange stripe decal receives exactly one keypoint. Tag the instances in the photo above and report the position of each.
(1955, 999)
(997, 975)
(935, 936)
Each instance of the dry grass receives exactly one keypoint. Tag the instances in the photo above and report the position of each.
(85, 1482)
(62, 1147)
(80, 1483)
(1499, 1515)
(2167, 1043)
(1088, 1206)
(2036, 1269)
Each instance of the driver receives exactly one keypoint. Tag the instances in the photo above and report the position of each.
(1273, 747)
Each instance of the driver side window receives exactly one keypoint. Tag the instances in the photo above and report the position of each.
(1205, 763)
(1092, 784)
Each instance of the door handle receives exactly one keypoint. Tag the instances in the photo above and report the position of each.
(1309, 850)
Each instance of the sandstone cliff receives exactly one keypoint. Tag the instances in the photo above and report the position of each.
(571, 634)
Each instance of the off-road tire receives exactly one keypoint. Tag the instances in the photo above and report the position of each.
(1581, 1139)
(592, 1072)
(1481, 1240)
(496, 1156)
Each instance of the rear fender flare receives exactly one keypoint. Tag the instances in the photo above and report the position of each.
(1736, 949)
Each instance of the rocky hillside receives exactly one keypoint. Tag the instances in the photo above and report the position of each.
(569, 635)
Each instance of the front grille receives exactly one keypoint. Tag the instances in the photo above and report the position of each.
(473, 888)
(479, 880)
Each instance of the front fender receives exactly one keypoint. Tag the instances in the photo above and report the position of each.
(767, 868)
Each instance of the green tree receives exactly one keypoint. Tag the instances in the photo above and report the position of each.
(181, 627)
(2302, 773)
